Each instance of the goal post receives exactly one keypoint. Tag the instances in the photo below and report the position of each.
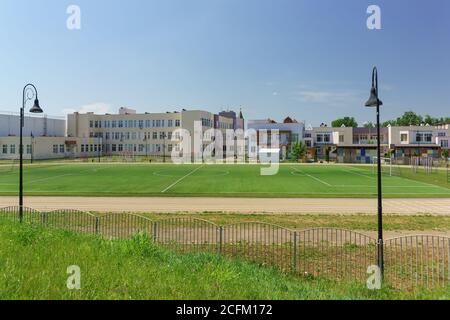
(9, 167)
(386, 165)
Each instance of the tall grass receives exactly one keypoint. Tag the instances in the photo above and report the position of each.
(33, 264)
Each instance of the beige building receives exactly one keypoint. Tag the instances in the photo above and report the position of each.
(152, 134)
(40, 148)
(419, 141)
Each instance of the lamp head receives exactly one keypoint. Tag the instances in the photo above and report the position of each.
(36, 108)
(373, 100)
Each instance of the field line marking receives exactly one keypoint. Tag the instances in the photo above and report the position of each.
(182, 178)
(317, 179)
(357, 173)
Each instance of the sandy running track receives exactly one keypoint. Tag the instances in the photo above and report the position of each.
(234, 205)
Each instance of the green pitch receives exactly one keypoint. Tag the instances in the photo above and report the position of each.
(293, 180)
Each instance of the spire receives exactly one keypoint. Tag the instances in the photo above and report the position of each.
(241, 116)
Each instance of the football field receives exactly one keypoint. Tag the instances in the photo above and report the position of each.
(159, 180)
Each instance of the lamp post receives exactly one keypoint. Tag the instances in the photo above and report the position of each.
(32, 148)
(374, 101)
(164, 147)
(29, 93)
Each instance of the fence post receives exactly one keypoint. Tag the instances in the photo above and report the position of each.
(220, 239)
(44, 218)
(155, 228)
(97, 225)
(295, 252)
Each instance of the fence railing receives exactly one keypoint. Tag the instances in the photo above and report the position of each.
(410, 261)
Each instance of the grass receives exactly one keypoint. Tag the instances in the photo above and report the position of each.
(362, 222)
(33, 264)
(311, 181)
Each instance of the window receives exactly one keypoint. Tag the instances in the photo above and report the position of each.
(444, 143)
(91, 124)
(120, 147)
(120, 123)
(114, 123)
(55, 148)
(5, 149)
(170, 123)
(341, 138)
(177, 123)
(170, 147)
(114, 148)
(12, 149)
(169, 135)
(61, 148)
(442, 134)
(162, 135)
(155, 135)
(404, 137)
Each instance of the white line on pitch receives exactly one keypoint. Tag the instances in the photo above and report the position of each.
(357, 173)
(183, 177)
(317, 179)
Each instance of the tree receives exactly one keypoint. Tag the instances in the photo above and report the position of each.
(369, 125)
(298, 150)
(445, 154)
(391, 123)
(347, 121)
(409, 118)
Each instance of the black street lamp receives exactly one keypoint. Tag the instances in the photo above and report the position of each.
(29, 93)
(375, 102)
(32, 147)
(146, 147)
(164, 147)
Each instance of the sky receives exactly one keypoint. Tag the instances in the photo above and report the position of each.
(308, 59)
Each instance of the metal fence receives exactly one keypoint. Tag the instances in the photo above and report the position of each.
(410, 261)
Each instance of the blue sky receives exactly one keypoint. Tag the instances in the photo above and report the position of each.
(310, 59)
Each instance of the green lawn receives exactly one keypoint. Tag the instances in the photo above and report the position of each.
(33, 264)
(219, 180)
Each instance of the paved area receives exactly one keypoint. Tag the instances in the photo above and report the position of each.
(235, 205)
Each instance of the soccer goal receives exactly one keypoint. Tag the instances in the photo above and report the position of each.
(9, 166)
(448, 172)
(387, 166)
(422, 162)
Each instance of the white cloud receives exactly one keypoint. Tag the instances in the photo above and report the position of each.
(327, 97)
(98, 107)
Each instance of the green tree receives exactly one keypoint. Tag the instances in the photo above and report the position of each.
(445, 154)
(347, 121)
(391, 123)
(298, 150)
(369, 125)
(409, 118)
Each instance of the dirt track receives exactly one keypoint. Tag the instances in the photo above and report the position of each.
(235, 205)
